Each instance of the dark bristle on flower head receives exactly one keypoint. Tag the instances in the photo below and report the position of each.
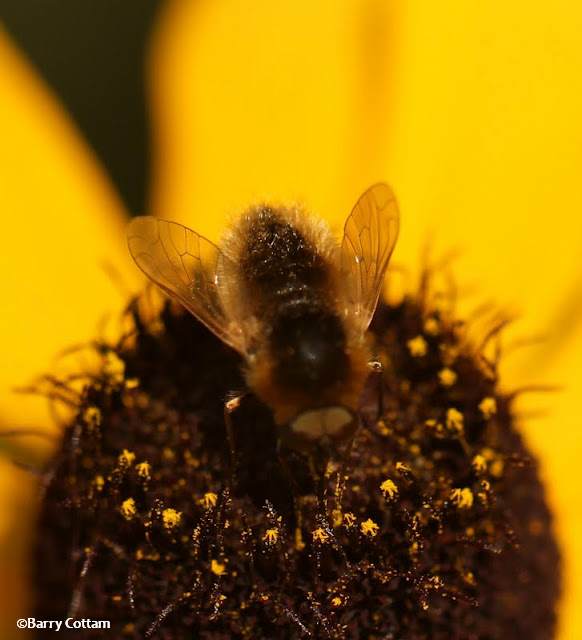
(432, 523)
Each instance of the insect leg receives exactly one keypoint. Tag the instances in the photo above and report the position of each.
(321, 467)
(342, 472)
(230, 406)
(295, 491)
(377, 369)
(77, 597)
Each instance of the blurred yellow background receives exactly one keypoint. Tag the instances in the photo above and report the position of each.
(470, 111)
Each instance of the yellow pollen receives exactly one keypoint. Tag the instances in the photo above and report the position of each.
(369, 528)
(469, 578)
(168, 454)
(435, 582)
(143, 470)
(338, 517)
(171, 518)
(331, 467)
(217, 568)
(435, 426)
(431, 326)
(320, 535)
(417, 347)
(447, 377)
(114, 367)
(496, 468)
(126, 458)
(92, 416)
(299, 544)
(479, 463)
(488, 407)
(128, 508)
(336, 601)
(271, 535)
(209, 500)
(463, 498)
(349, 519)
(141, 555)
(403, 468)
(389, 489)
(455, 420)
(383, 428)
(190, 460)
(99, 482)
(131, 383)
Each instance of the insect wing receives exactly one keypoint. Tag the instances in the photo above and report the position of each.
(187, 267)
(370, 234)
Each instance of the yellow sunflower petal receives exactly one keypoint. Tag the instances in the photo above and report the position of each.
(62, 238)
(287, 99)
(17, 504)
(486, 147)
(556, 435)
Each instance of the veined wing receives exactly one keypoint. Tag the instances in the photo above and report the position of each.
(370, 234)
(187, 267)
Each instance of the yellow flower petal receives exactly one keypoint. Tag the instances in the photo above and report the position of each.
(486, 148)
(62, 232)
(284, 99)
(62, 236)
(556, 437)
(17, 500)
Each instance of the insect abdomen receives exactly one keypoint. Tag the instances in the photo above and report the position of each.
(290, 277)
(308, 344)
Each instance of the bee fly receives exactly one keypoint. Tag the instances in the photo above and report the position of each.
(294, 304)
